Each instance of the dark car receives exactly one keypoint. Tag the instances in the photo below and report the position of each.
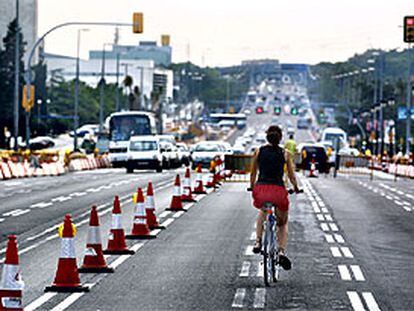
(313, 152)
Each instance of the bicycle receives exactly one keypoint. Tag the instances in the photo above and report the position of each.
(271, 265)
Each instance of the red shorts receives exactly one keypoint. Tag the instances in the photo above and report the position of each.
(277, 195)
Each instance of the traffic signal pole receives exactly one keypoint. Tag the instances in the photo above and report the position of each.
(409, 99)
(16, 80)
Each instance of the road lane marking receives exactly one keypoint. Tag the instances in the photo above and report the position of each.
(335, 252)
(328, 217)
(356, 302)
(164, 214)
(388, 197)
(41, 205)
(260, 269)
(347, 252)
(1, 219)
(78, 194)
(16, 212)
(188, 206)
(358, 275)
(168, 222)
(178, 214)
(245, 269)
(39, 301)
(344, 273)
(239, 298)
(249, 250)
(259, 298)
(333, 226)
(61, 198)
(339, 238)
(406, 208)
(329, 238)
(325, 210)
(253, 236)
(316, 209)
(398, 203)
(370, 301)
(320, 217)
(70, 300)
(324, 226)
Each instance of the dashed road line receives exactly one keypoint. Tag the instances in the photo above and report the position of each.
(329, 238)
(324, 226)
(333, 226)
(41, 205)
(168, 222)
(39, 301)
(347, 252)
(344, 273)
(339, 238)
(259, 298)
(335, 251)
(249, 250)
(245, 269)
(370, 301)
(356, 270)
(239, 298)
(355, 300)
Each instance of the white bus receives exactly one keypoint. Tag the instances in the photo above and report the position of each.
(228, 119)
(123, 125)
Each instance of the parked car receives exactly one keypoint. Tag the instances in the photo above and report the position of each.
(348, 151)
(170, 151)
(203, 152)
(184, 154)
(144, 152)
(91, 129)
(41, 142)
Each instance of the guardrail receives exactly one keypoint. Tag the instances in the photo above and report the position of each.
(240, 166)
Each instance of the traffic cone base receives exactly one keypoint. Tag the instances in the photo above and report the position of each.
(96, 270)
(140, 236)
(67, 289)
(185, 199)
(14, 296)
(119, 252)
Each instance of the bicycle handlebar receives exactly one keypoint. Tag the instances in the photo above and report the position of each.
(290, 191)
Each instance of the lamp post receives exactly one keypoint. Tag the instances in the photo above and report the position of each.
(16, 80)
(76, 118)
(102, 90)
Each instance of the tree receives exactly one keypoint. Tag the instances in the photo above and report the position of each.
(7, 70)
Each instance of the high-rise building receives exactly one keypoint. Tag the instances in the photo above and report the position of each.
(27, 19)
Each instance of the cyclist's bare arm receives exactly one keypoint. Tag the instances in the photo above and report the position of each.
(253, 173)
(290, 170)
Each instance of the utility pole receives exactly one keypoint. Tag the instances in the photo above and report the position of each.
(381, 94)
(102, 91)
(409, 99)
(116, 41)
(16, 79)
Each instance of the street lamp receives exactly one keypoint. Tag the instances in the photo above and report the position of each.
(76, 119)
(102, 89)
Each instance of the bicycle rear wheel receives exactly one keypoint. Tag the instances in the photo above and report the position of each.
(266, 260)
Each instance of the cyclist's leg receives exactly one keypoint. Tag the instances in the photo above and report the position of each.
(282, 229)
(261, 217)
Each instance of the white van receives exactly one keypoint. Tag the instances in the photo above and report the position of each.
(331, 134)
(144, 152)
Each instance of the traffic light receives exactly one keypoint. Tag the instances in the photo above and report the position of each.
(409, 29)
(28, 103)
(138, 22)
(294, 111)
(277, 110)
(259, 110)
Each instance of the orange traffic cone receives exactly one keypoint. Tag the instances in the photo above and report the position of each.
(140, 229)
(67, 276)
(94, 260)
(199, 188)
(176, 204)
(152, 220)
(116, 242)
(211, 181)
(187, 195)
(11, 285)
(312, 171)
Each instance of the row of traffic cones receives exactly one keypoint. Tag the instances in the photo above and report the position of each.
(67, 275)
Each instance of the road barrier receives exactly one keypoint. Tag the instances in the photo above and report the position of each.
(239, 166)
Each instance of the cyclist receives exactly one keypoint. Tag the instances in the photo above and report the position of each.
(269, 160)
(290, 145)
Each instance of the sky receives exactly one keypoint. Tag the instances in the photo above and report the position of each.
(225, 32)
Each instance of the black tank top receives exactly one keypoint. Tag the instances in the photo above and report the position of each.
(271, 162)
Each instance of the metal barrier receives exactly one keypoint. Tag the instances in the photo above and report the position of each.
(240, 167)
(355, 165)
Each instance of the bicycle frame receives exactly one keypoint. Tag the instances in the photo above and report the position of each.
(270, 257)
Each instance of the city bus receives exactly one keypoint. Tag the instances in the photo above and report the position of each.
(228, 119)
(123, 125)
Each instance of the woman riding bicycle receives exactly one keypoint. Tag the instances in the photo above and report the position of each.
(269, 160)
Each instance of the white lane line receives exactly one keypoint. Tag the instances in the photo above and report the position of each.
(344, 272)
(259, 298)
(155, 232)
(328, 217)
(316, 209)
(358, 275)
(39, 301)
(118, 261)
(355, 301)
(249, 250)
(70, 300)
(329, 238)
(21, 212)
(253, 236)
(245, 269)
(398, 203)
(388, 197)
(335, 252)
(1, 219)
(339, 238)
(325, 210)
(320, 217)
(347, 252)
(178, 214)
(188, 206)
(92, 190)
(333, 226)
(78, 194)
(41, 205)
(164, 214)
(61, 199)
(409, 196)
(322, 204)
(260, 269)
(324, 226)
(370, 301)
(239, 298)
(400, 192)
(407, 208)
(168, 222)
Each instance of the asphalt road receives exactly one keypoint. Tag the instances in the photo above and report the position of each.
(350, 243)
